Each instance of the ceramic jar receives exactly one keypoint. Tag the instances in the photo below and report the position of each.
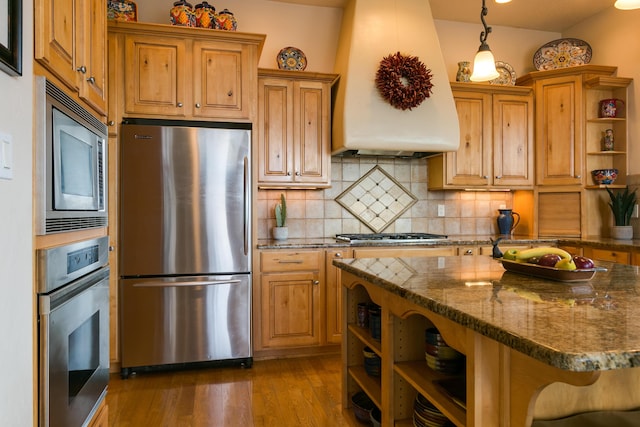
(464, 72)
(205, 15)
(610, 108)
(226, 21)
(122, 10)
(608, 140)
(182, 14)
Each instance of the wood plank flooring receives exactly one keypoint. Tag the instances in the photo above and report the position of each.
(296, 392)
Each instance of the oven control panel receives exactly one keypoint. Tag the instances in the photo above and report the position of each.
(82, 258)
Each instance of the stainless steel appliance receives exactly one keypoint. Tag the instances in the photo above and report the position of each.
(390, 237)
(184, 256)
(71, 163)
(73, 325)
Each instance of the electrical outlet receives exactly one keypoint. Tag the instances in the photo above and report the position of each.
(440, 210)
(634, 214)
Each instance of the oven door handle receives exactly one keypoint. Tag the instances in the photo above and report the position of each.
(184, 284)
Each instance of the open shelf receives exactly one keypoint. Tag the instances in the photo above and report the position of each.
(422, 378)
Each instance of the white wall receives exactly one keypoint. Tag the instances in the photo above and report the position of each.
(16, 243)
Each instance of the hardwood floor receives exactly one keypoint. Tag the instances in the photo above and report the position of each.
(297, 392)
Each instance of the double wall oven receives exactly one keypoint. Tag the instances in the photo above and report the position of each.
(73, 326)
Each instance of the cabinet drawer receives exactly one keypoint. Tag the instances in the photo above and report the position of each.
(403, 252)
(276, 262)
(621, 257)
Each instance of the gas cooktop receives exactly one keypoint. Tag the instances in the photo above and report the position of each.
(390, 237)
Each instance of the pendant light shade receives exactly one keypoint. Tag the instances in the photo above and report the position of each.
(627, 4)
(484, 65)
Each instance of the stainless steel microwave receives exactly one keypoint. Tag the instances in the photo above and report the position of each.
(71, 163)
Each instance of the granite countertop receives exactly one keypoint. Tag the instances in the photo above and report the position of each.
(329, 242)
(576, 326)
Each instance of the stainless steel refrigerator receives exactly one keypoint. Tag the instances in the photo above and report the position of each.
(184, 243)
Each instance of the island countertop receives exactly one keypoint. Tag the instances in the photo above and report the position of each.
(576, 326)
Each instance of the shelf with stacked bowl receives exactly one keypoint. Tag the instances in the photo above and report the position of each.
(606, 128)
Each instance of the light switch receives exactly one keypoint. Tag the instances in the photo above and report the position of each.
(6, 156)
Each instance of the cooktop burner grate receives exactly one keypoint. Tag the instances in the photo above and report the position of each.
(389, 237)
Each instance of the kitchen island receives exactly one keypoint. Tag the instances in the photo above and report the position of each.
(535, 348)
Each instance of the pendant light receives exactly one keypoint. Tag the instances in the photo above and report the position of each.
(484, 65)
(627, 4)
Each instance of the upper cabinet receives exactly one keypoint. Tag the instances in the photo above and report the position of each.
(294, 129)
(70, 42)
(186, 73)
(496, 140)
(560, 119)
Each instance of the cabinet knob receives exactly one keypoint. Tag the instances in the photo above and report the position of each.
(316, 282)
(82, 69)
(179, 104)
(92, 80)
(468, 252)
(578, 176)
(288, 173)
(111, 123)
(197, 105)
(485, 177)
(338, 255)
(230, 93)
(297, 173)
(499, 177)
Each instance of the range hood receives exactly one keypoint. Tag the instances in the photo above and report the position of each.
(364, 123)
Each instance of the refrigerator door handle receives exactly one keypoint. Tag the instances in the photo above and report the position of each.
(247, 206)
(183, 284)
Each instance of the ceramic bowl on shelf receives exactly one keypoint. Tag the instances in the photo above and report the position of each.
(362, 406)
(604, 176)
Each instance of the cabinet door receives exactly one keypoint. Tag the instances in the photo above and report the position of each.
(56, 37)
(290, 309)
(512, 140)
(155, 75)
(93, 81)
(275, 130)
(218, 80)
(312, 154)
(470, 165)
(559, 131)
(613, 255)
(334, 294)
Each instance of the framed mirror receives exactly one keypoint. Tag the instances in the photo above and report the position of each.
(11, 37)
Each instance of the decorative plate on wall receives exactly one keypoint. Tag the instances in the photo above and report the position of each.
(562, 53)
(507, 74)
(291, 58)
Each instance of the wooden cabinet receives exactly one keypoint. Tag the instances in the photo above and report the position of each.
(404, 252)
(70, 42)
(290, 294)
(294, 129)
(187, 73)
(496, 140)
(608, 254)
(334, 294)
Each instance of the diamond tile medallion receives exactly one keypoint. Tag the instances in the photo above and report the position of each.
(376, 199)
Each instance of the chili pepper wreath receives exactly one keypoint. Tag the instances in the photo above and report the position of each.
(404, 81)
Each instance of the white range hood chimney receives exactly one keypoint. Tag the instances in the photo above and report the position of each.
(364, 121)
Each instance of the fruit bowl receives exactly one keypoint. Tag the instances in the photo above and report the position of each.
(604, 176)
(552, 273)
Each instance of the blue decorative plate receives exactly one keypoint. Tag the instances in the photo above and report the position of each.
(562, 53)
(291, 58)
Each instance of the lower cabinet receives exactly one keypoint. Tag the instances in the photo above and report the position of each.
(608, 254)
(291, 292)
(334, 294)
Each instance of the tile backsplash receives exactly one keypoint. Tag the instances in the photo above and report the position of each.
(317, 214)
